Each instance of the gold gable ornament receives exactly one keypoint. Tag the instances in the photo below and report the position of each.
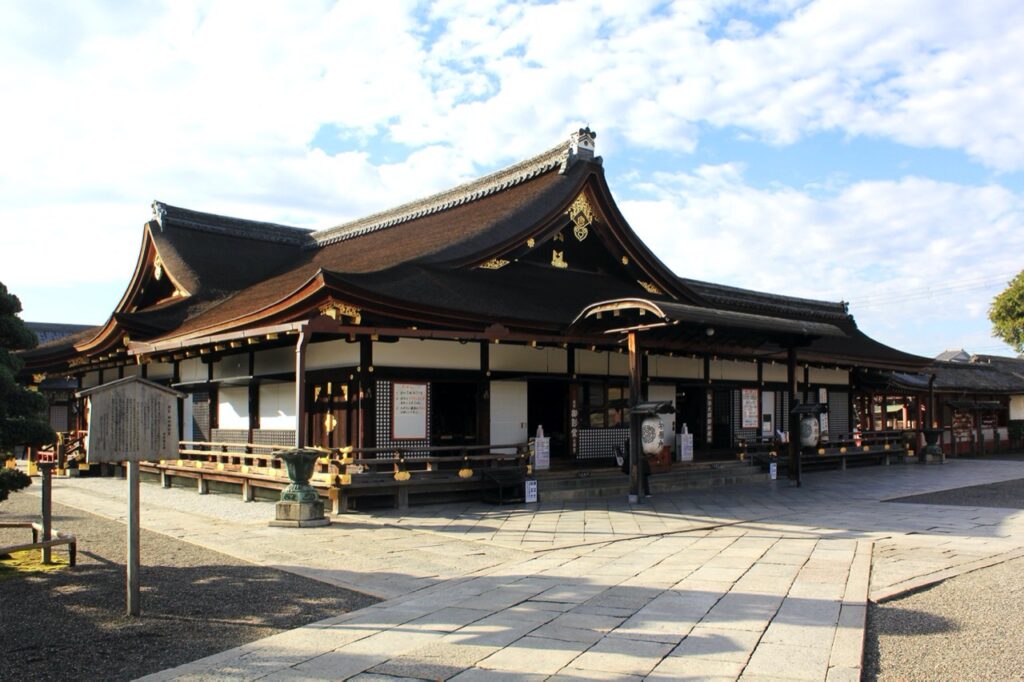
(494, 264)
(334, 309)
(582, 216)
(558, 259)
(649, 288)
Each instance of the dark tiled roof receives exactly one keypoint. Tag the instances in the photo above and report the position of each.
(958, 377)
(556, 157)
(433, 238)
(213, 257)
(769, 304)
(953, 356)
(232, 227)
(52, 331)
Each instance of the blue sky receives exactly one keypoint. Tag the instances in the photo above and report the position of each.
(863, 152)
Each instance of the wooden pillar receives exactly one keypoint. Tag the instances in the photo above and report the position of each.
(300, 386)
(176, 379)
(634, 418)
(851, 386)
(793, 470)
(709, 398)
(934, 420)
(254, 408)
(367, 399)
(807, 384)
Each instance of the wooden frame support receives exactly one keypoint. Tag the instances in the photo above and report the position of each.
(793, 470)
(300, 386)
(635, 378)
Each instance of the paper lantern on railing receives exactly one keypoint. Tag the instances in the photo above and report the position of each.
(810, 431)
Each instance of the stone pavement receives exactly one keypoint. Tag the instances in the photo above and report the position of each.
(751, 582)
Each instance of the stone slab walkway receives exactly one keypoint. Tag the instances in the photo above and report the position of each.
(762, 581)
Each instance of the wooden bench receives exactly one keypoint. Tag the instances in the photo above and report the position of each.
(57, 538)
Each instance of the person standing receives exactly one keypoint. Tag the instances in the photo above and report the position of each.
(645, 469)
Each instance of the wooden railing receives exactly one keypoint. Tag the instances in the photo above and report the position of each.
(341, 473)
(868, 444)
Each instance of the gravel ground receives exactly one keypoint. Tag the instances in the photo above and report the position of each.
(966, 628)
(1006, 494)
(70, 624)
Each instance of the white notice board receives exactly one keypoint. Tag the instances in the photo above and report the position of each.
(542, 453)
(132, 420)
(408, 411)
(751, 410)
(531, 490)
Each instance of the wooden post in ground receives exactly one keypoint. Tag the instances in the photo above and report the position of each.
(46, 471)
(133, 539)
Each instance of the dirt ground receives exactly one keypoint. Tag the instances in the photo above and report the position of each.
(71, 623)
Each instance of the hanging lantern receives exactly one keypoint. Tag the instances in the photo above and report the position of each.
(652, 435)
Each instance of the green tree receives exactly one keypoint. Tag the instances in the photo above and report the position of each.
(1007, 313)
(23, 418)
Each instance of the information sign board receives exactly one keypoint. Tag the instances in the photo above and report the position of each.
(409, 411)
(132, 420)
(751, 409)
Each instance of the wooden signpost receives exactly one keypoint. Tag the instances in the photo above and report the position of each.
(132, 420)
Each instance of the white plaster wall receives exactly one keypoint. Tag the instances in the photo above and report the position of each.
(325, 354)
(727, 370)
(512, 358)
(233, 407)
(274, 361)
(160, 370)
(775, 373)
(133, 371)
(91, 379)
(601, 363)
(229, 366)
(673, 367)
(428, 353)
(1017, 407)
(829, 376)
(277, 406)
(192, 370)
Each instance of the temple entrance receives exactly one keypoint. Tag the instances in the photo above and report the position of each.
(454, 412)
(332, 414)
(547, 403)
(691, 410)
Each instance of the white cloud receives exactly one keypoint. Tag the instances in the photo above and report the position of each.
(915, 257)
(213, 105)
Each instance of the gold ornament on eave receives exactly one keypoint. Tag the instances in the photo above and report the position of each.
(582, 216)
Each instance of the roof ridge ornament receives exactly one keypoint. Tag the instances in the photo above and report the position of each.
(582, 145)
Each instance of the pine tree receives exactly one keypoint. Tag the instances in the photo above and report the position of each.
(23, 418)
